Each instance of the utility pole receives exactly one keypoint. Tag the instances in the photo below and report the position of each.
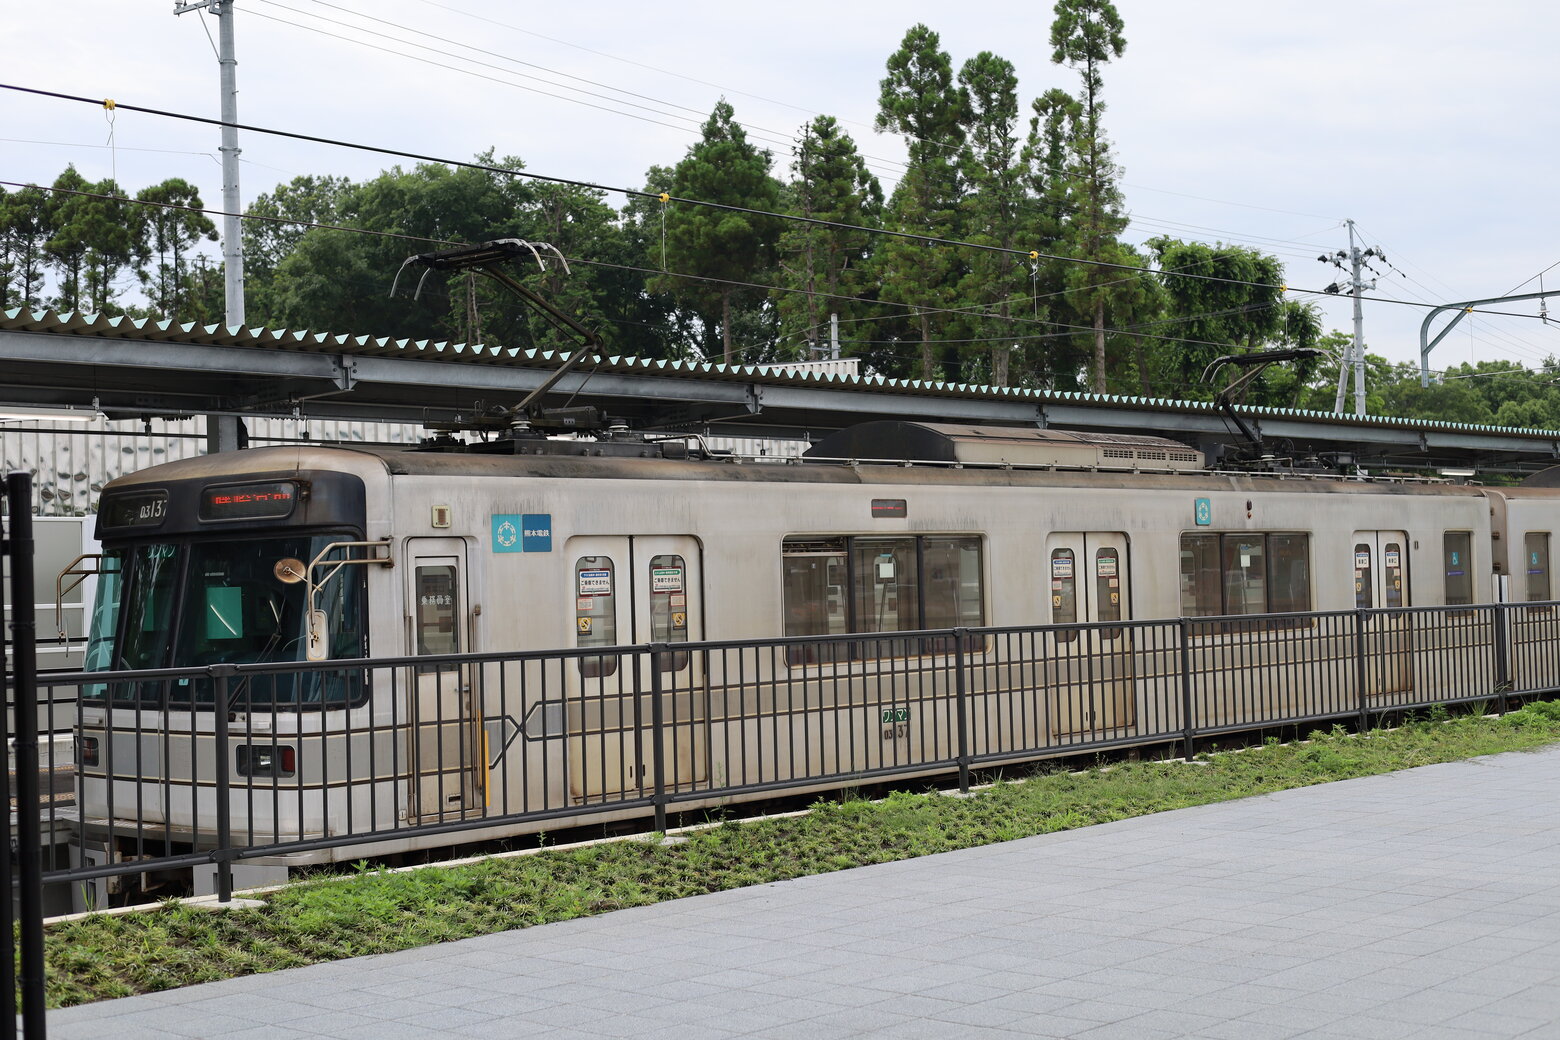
(1356, 287)
(223, 432)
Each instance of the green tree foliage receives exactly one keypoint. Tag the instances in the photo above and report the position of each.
(1219, 299)
(1085, 36)
(278, 221)
(820, 264)
(920, 100)
(70, 226)
(24, 232)
(997, 283)
(720, 248)
(340, 279)
(173, 225)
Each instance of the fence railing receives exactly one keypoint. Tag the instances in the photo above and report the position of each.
(186, 769)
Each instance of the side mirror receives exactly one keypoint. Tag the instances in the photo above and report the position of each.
(317, 649)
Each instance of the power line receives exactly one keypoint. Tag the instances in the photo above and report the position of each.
(667, 198)
(634, 192)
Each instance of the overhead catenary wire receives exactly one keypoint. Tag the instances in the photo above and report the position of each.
(929, 240)
(635, 192)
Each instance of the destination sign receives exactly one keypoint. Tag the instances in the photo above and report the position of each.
(270, 501)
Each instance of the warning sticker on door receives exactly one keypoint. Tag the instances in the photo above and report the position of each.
(1061, 567)
(666, 579)
(595, 583)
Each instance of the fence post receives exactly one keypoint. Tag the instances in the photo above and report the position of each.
(222, 855)
(1188, 721)
(961, 705)
(24, 674)
(658, 735)
(1361, 676)
(7, 875)
(1502, 656)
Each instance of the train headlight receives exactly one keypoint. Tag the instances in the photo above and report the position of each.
(267, 760)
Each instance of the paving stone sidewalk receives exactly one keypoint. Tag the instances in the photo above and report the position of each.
(1424, 905)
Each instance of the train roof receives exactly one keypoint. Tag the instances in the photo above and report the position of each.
(1021, 458)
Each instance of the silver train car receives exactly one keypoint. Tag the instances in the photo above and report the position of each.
(315, 553)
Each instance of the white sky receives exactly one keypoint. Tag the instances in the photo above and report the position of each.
(1265, 124)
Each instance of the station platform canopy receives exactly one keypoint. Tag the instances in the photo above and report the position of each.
(129, 368)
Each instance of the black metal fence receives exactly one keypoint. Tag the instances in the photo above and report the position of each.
(20, 860)
(204, 770)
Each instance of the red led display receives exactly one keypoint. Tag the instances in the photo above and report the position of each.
(248, 502)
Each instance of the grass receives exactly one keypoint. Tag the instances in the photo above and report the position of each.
(105, 956)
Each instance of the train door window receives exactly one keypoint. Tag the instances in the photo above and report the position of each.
(1535, 545)
(1364, 577)
(669, 607)
(1392, 574)
(887, 596)
(1107, 589)
(1457, 549)
(438, 604)
(1245, 575)
(1064, 592)
(595, 612)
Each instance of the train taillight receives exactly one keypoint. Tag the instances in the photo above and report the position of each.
(267, 760)
(88, 751)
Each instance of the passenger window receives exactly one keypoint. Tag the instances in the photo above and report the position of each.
(839, 584)
(1289, 574)
(953, 598)
(1457, 552)
(669, 608)
(1200, 581)
(437, 603)
(1364, 591)
(595, 612)
(1245, 575)
(1536, 545)
(886, 585)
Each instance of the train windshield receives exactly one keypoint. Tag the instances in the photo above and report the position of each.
(202, 602)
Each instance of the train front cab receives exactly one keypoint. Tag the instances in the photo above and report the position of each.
(203, 569)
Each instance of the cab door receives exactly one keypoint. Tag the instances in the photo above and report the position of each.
(634, 591)
(1090, 583)
(449, 762)
(1381, 581)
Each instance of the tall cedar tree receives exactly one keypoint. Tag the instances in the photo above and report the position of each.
(24, 223)
(93, 233)
(1085, 36)
(720, 247)
(920, 100)
(995, 213)
(174, 224)
(1054, 363)
(832, 184)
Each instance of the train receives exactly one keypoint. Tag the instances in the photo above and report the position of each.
(847, 567)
